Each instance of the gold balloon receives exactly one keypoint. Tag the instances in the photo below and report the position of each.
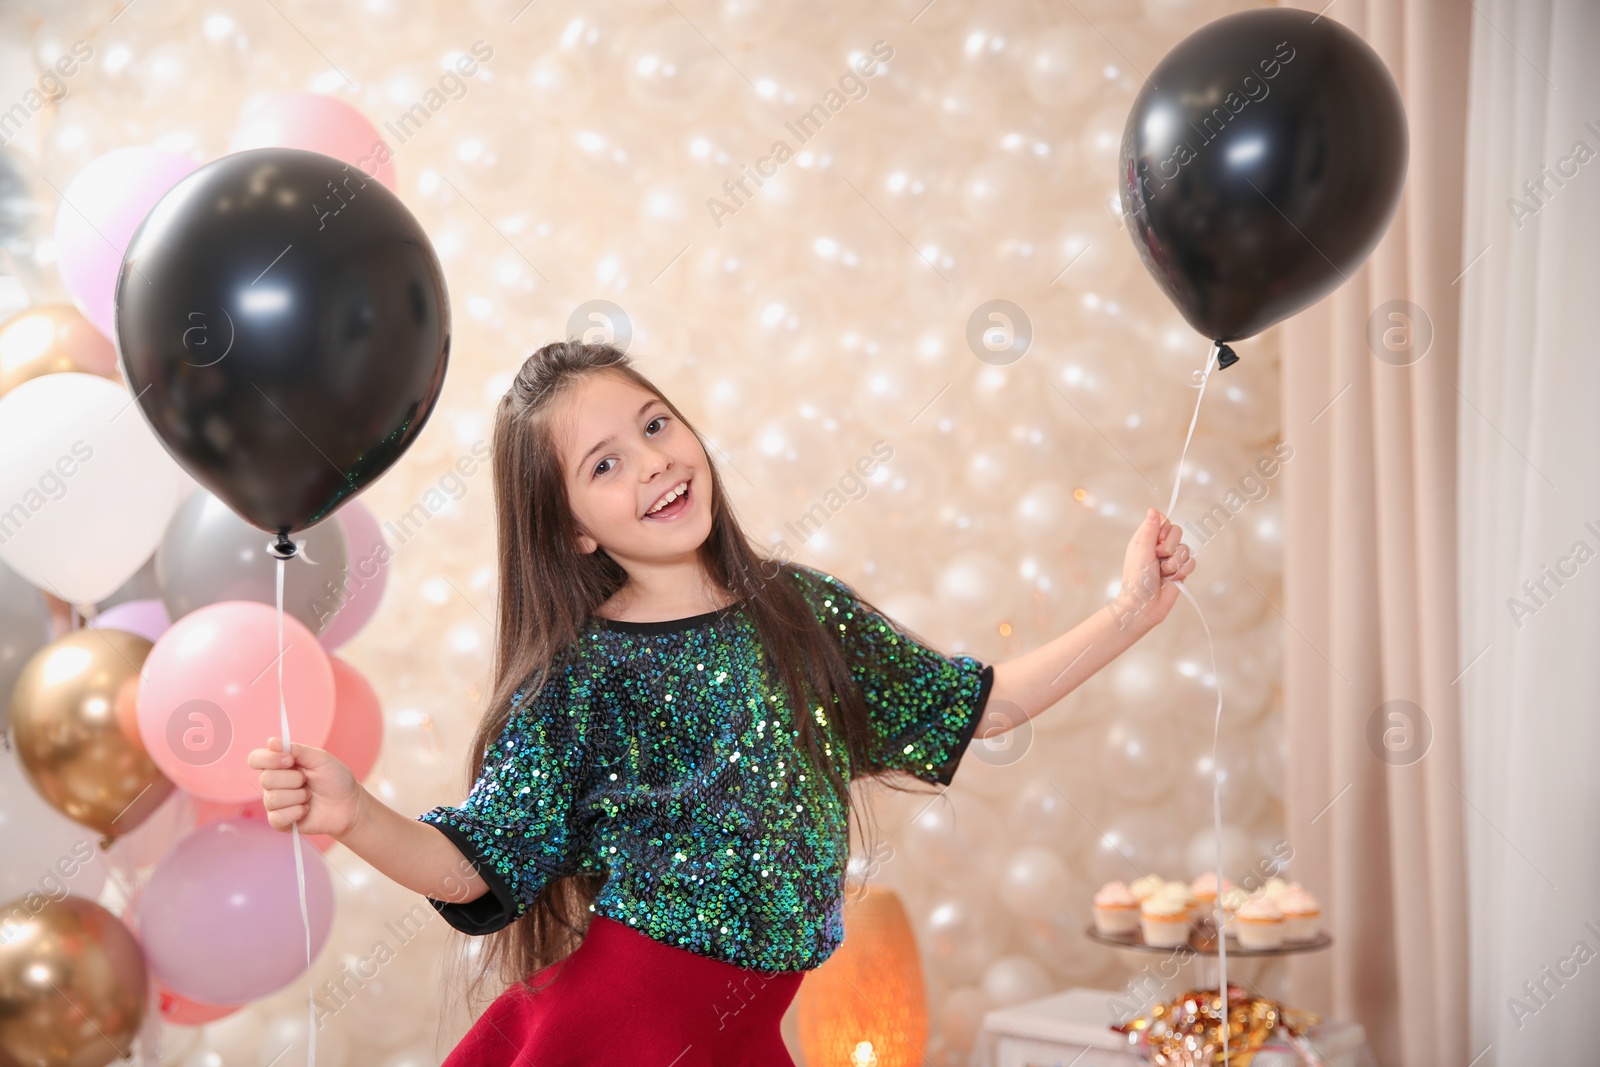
(72, 985)
(67, 712)
(49, 339)
(866, 1003)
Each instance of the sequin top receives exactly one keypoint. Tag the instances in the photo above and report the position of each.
(661, 754)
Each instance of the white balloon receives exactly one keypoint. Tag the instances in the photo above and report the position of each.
(1060, 68)
(946, 834)
(1142, 683)
(1034, 882)
(960, 1016)
(790, 323)
(287, 1037)
(557, 84)
(961, 937)
(1133, 841)
(234, 1038)
(88, 487)
(669, 67)
(419, 1054)
(1243, 796)
(974, 585)
(997, 189)
(1137, 757)
(1238, 850)
(178, 1043)
(1072, 958)
(1016, 979)
(1042, 815)
(993, 36)
(788, 77)
(750, 22)
(968, 105)
(916, 180)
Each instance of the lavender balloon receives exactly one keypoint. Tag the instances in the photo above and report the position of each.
(220, 918)
(147, 618)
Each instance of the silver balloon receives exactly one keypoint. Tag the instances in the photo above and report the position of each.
(209, 554)
(21, 205)
(24, 630)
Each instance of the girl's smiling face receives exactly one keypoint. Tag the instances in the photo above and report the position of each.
(623, 451)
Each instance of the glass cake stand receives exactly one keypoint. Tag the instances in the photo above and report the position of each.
(1202, 949)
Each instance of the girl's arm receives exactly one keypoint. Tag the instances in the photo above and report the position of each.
(312, 788)
(1025, 686)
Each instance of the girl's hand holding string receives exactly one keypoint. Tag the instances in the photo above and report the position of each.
(1156, 560)
(308, 787)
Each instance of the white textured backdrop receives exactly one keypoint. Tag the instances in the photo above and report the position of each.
(818, 317)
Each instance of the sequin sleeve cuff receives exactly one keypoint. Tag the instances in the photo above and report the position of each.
(488, 913)
(947, 770)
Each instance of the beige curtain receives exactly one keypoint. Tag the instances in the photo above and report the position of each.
(1372, 807)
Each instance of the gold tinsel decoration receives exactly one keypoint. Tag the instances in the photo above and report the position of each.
(1187, 1032)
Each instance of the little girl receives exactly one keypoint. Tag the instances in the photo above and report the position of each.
(657, 832)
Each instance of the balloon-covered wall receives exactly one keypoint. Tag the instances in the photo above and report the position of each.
(875, 251)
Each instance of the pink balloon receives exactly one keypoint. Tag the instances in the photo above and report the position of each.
(209, 811)
(99, 212)
(317, 123)
(220, 918)
(209, 694)
(357, 732)
(368, 574)
(147, 618)
(181, 1011)
(152, 839)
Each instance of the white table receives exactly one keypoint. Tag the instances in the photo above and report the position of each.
(1073, 1029)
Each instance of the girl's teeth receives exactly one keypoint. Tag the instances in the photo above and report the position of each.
(668, 499)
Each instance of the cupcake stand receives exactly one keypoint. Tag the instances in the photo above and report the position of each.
(1073, 1027)
(1203, 949)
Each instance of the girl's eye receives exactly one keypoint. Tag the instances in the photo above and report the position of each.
(652, 422)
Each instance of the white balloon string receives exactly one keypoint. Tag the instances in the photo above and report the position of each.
(1216, 726)
(294, 829)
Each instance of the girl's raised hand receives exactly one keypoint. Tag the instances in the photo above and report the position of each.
(1155, 561)
(307, 786)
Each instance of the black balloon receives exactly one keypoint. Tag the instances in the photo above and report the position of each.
(283, 321)
(1261, 164)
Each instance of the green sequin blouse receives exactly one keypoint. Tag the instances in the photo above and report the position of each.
(661, 754)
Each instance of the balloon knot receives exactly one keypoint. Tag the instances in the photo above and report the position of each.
(1226, 357)
(282, 548)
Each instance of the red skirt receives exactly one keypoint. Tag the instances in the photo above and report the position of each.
(625, 998)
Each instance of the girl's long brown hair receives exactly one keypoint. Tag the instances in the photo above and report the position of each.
(549, 589)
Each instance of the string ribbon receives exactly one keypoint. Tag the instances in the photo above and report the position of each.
(285, 546)
(1224, 358)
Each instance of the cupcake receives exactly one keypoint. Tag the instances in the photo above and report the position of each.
(1115, 909)
(1301, 914)
(1204, 888)
(1273, 888)
(1146, 884)
(1181, 894)
(1165, 919)
(1258, 924)
(1232, 899)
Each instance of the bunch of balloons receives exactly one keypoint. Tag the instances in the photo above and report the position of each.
(280, 321)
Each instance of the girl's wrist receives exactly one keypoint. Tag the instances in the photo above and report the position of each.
(358, 816)
(1131, 614)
